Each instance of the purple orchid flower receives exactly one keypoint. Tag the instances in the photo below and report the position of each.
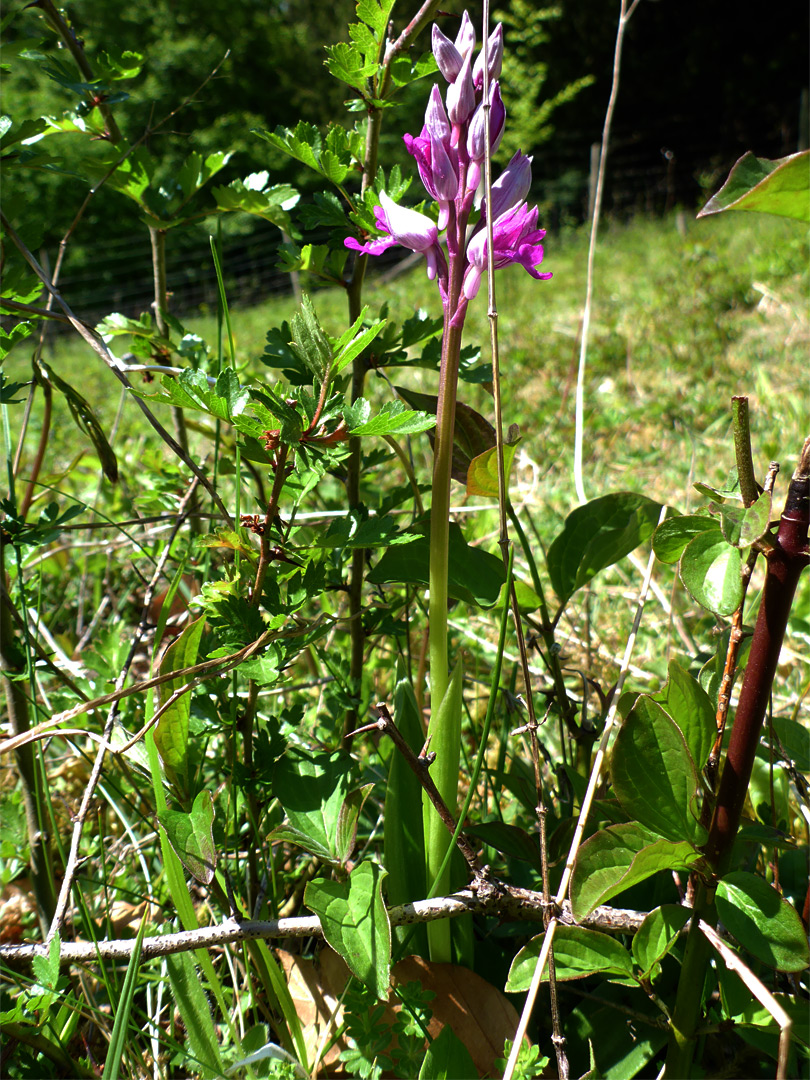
(515, 239)
(409, 228)
(449, 153)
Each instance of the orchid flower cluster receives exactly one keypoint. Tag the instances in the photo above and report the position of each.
(449, 154)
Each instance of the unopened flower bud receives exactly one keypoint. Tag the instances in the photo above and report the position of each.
(447, 55)
(465, 39)
(476, 136)
(436, 122)
(494, 58)
(461, 95)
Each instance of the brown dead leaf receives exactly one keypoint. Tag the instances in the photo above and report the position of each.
(478, 1013)
(315, 990)
(126, 918)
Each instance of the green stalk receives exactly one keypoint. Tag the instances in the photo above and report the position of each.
(444, 729)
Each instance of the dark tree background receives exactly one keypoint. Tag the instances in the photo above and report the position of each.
(702, 82)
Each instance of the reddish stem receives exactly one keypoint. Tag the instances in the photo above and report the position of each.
(787, 559)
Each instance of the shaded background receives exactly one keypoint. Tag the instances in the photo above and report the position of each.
(701, 83)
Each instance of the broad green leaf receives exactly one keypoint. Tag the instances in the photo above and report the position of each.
(653, 775)
(779, 187)
(475, 576)
(310, 342)
(472, 435)
(311, 787)
(685, 700)
(711, 572)
(482, 474)
(762, 921)
(620, 856)
(394, 419)
(795, 741)
(577, 953)
(192, 836)
(657, 934)
(509, 840)
(672, 535)
(447, 1058)
(192, 1004)
(744, 525)
(355, 923)
(348, 815)
(756, 1015)
(444, 731)
(86, 421)
(597, 535)
(171, 734)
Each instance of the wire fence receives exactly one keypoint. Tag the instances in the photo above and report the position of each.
(641, 179)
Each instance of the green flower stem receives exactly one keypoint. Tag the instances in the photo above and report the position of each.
(440, 521)
(445, 711)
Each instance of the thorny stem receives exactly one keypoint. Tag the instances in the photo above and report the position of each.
(735, 640)
(505, 902)
(80, 59)
(420, 766)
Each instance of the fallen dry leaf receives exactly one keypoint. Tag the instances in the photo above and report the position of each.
(478, 1013)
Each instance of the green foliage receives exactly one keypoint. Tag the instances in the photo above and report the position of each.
(597, 535)
(773, 187)
(104, 543)
(355, 923)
